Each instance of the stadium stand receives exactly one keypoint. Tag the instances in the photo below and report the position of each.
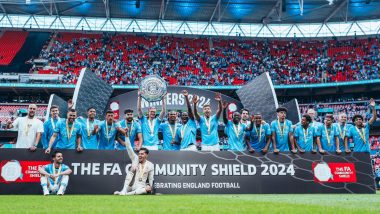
(10, 43)
(350, 108)
(123, 59)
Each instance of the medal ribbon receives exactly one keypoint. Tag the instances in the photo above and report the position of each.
(281, 129)
(107, 131)
(258, 132)
(305, 134)
(328, 135)
(141, 171)
(361, 133)
(236, 130)
(88, 127)
(183, 129)
(173, 131)
(340, 131)
(69, 131)
(52, 123)
(152, 124)
(59, 171)
(26, 128)
(130, 129)
(208, 124)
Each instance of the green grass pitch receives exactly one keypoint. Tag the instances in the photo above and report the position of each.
(328, 203)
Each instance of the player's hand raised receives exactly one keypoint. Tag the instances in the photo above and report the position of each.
(372, 102)
(185, 93)
(195, 99)
(218, 96)
(225, 104)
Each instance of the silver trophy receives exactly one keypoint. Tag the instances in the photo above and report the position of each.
(153, 88)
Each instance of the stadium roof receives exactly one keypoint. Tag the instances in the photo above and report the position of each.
(236, 11)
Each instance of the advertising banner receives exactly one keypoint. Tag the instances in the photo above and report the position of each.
(191, 172)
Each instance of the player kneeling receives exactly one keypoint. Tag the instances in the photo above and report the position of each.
(55, 176)
(139, 180)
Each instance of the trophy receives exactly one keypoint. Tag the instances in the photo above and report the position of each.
(152, 88)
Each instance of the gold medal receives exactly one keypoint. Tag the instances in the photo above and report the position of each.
(305, 134)
(108, 131)
(52, 123)
(183, 129)
(328, 135)
(69, 130)
(342, 134)
(361, 134)
(151, 124)
(29, 123)
(281, 128)
(88, 127)
(172, 132)
(258, 133)
(141, 171)
(236, 129)
(207, 121)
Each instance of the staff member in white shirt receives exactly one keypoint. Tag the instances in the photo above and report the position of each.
(29, 129)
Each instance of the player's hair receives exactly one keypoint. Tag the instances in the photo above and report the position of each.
(32, 105)
(206, 105)
(71, 110)
(152, 107)
(172, 111)
(357, 116)
(145, 150)
(55, 153)
(308, 118)
(329, 116)
(109, 111)
(91, 108)
(128, 110)
(53, 107)
(257, 113)
(244, 109)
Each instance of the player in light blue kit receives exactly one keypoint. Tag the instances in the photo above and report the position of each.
(360, 132)
(90, 138)
(186, 135)
(209, 124)
(169, 130)
(260, 136)
(342, 128)
(49, 126)
(235, 130)
(108, 130)
(316, 125)
(55, 176)
(305, 135)
(150, 124)
(328, 136)
(282, 132)
(134, 131)
(69, 132)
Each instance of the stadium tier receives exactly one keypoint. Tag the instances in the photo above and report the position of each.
(10, 43)
(125, 59)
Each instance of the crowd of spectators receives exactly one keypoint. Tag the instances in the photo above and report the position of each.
(349, 108)
(124, 59)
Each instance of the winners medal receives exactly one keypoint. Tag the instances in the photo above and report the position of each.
(153, 88)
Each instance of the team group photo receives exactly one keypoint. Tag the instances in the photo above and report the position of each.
(207, 106)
